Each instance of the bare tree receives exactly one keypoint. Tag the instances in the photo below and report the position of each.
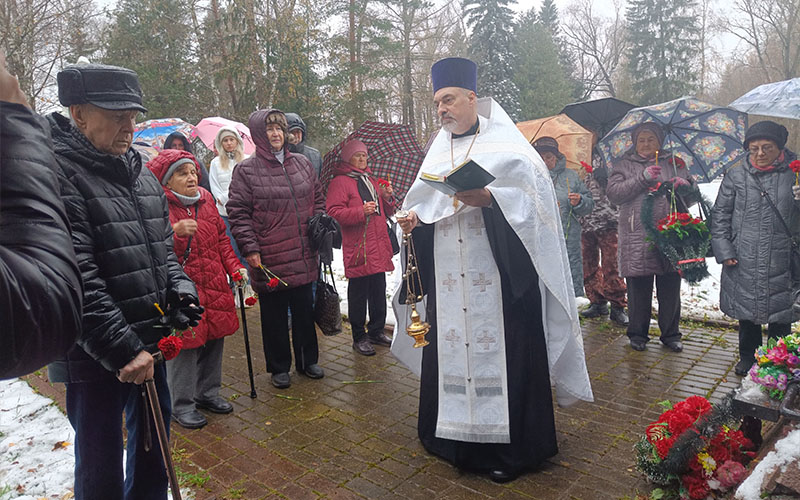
(598, 43)
(772, 31)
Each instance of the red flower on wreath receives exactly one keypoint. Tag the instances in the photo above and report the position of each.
(170, 346)
(795, 166)
(587, 167)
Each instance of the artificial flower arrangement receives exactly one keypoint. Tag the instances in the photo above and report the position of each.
(777, 363)
(692, 450)
(682, 238)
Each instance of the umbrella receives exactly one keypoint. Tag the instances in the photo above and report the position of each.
(148, 152)
(772, 99)
(155, 132)
(393, 152)
(574, 141)
(599, 115)
(207, 130)
(707, 137)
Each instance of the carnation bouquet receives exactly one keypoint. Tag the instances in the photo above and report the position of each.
(683, 239)
(777, 363)
(693, 451)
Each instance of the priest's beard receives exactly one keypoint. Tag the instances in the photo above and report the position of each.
(450, 125)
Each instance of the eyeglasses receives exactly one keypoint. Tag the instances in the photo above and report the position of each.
(766, 149)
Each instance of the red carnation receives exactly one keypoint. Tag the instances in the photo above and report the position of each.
(795, 166)
(677, 161)
(663, 446)
(237, 276)
(697, 487)
(587, 167)
(170, 346)
(273, 282)
(679, 421)
(250, 301)
(383, 182)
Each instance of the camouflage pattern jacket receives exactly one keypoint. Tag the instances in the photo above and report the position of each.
(605, 214)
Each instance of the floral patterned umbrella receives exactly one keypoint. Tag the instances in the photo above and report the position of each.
(706, 137)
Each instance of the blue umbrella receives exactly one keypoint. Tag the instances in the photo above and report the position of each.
(706, 137)
(155, 132)
(780, 99)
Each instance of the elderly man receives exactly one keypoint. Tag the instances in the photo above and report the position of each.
(499, 295)
(123, 242)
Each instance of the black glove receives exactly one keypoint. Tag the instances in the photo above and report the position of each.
(183, 311)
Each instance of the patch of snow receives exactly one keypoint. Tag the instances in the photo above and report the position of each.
(787, 450)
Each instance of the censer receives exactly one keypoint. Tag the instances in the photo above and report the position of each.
(417, 329)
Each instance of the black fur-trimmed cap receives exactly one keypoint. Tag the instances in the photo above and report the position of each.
(768, 130)
(107, 87)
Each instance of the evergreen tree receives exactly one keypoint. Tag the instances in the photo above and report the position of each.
(544, 87)
(153, 38)
(548, 18)
(663, 50)
(490, 47)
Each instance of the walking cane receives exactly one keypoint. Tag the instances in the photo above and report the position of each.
(161, 430)
(246, 342)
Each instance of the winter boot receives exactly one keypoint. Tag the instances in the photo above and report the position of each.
(595, 310)
(618, 315)
(749, 340)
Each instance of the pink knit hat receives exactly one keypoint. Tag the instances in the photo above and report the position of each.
(352, 147)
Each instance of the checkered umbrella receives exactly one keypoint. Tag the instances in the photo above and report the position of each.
(392, 153)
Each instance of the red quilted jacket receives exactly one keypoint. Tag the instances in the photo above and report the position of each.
(344, 203)
(269, 206)
(211, 258)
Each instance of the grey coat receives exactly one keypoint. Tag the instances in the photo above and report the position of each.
(568, 181)
(759, 288)
(627, 187)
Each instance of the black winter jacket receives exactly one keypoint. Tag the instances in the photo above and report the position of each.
(123, 241)
(40, 283)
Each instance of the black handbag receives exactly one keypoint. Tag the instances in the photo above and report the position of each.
(393, 238)
(327, 311)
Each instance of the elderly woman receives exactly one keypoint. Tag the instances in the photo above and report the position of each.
(361, 205)
(574, 201)
(756, 218)
(272, 195)
(204, 250)
(630, 180)
(178, 141)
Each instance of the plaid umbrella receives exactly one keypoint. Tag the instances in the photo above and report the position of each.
(706, 137)
(392, 152)
(155, 132)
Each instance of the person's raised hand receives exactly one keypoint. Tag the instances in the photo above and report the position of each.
(475, 197)
(652, 172)
(386, 191)
(185, 227)
(9, 85)
(574, 199)
(137, 370)
(679, 181)
(370, 207)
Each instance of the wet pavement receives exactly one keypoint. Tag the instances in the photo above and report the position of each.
(353, 435)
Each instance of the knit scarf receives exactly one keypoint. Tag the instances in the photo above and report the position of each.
(769, 168)
(364, 179)
(187, 201)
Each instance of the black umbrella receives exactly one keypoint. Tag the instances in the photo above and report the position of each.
(599, 115)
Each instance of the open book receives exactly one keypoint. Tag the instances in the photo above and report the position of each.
(468, 175)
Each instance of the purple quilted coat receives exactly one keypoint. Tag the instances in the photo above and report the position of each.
(269, 206)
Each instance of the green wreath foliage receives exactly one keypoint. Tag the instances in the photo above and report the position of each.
(690, 242)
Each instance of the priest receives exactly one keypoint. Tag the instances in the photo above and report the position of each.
(499, 298)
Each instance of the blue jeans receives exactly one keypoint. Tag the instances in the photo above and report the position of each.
(95, 412)
(233, 241)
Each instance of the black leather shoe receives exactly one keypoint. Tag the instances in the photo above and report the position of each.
(743, 366)
(190, 420)
(618, 316)
(380, 339)
(503, 476)
(215, 405)
(638, 345)
(595, 310)
(281, 380)
(364, 347)
(675, 345)
(312, 371)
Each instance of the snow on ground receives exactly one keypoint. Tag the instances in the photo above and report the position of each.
(36, 440)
